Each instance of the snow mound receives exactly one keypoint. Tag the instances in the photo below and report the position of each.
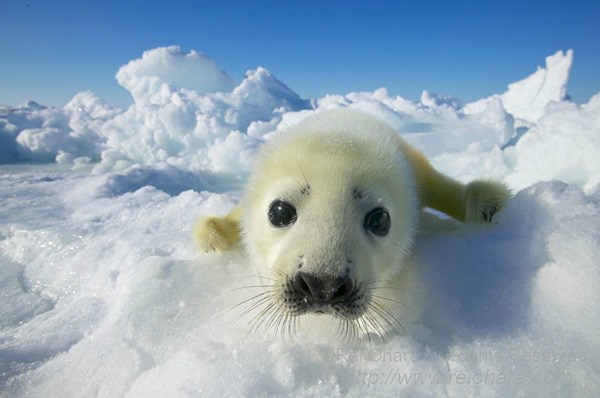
(527, 99)
(189, 114)
(564, 145)
(192, 129)
(110, 298)
(161, 66)
(39, 134)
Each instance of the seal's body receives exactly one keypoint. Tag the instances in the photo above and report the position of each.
(331, 209)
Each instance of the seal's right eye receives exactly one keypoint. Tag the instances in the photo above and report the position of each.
(378, 221)
(282, 214)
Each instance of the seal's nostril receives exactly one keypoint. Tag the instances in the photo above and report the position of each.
(344, 290)
(314, 288)
(301, 285)
(323, 289)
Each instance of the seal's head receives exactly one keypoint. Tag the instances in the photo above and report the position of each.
(330, 211)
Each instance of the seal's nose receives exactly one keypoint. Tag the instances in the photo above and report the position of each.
(323, 289)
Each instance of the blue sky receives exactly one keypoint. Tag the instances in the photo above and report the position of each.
(52, 49)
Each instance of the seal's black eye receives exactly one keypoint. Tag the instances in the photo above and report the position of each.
(378, 221)
(282, 214)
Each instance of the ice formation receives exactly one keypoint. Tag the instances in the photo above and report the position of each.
(103, 294)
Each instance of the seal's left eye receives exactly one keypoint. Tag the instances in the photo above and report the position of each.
(378, 221)
(282, 214)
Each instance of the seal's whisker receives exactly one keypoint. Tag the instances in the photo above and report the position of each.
(388, 288)
(274, 322)
(362, 327)
(287, 324)
(280, 323)
(345, 326)
(255, 297)
(393, 301)
(374, 284)
(303, 188)
(267, 278)
(278, 272)
(352, 336)
(387, 317)
(359, 332)
(355, 336)
(265, 314)
(342, 328)
(368, 317)
(295, 328)
(253, 306)
(380, 284)
(235, 289)
(375, 324)
(273, 318)
(291, 326)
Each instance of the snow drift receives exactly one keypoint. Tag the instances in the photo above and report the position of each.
(103, 294)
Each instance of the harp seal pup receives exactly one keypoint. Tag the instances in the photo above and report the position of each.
(330, 211)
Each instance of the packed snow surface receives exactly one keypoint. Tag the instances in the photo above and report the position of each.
(102, 292)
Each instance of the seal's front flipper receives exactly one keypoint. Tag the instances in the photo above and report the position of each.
(219, 234)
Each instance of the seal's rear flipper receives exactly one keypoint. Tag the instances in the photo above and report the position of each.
(476, 202)
(483, 199)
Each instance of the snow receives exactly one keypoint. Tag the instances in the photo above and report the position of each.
(528, 98)
(102, 292)
(170, 66)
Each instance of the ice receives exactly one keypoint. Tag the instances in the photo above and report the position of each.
(188, 128)
(145, 78)
(189, 114)
(102, 292)
(572, 128)
(527, 99)
(39, 134)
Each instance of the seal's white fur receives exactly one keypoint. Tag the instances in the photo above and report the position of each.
(334, 167)
(333, 176)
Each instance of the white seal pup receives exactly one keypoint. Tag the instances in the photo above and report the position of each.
(331, 209)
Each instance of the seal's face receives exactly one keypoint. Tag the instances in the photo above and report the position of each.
(330, 215)
(330, 242)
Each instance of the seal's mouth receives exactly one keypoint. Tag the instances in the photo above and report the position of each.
(297, 299)
(320, 309)
(363, 311)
